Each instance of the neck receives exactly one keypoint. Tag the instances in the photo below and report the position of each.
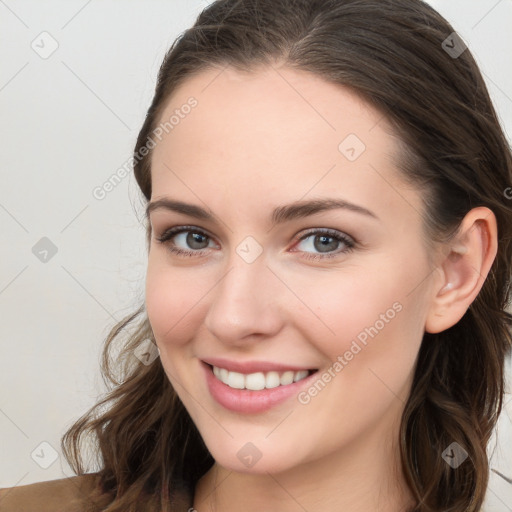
(366, 476)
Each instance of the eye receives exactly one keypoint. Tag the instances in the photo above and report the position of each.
(193, 240)
(326, 241)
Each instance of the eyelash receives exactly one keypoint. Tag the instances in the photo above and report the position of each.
(170, 233)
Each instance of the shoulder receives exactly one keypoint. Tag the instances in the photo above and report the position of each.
(50, 496)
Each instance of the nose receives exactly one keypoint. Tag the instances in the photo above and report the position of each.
(246, 305)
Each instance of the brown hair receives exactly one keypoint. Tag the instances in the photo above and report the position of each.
(391, 53)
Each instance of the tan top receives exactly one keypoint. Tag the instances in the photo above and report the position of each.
(50, 496)
(59, 495)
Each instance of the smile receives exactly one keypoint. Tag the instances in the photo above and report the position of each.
(254, 386)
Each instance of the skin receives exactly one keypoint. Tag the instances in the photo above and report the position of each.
(267, 138)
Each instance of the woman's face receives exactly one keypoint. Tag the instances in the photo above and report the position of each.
(267, 285)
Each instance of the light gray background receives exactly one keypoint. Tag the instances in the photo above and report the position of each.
(68, 122)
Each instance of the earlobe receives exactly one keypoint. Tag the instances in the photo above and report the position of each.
(463, 270)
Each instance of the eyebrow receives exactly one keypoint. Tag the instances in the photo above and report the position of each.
(281, 214)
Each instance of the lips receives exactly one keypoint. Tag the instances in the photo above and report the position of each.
(247, 400)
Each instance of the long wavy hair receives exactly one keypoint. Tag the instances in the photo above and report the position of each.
(395, 55)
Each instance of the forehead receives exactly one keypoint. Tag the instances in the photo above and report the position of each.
(278, 134)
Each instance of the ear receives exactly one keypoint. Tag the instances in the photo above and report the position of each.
(463, 269)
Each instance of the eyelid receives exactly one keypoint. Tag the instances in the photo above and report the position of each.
(329, 231)
(169, 233)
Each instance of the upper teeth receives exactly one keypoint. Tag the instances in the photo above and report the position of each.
(259, 380)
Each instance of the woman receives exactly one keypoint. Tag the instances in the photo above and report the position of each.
(329, 260)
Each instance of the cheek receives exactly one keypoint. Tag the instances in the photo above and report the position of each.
(342, 305)
(369, 317)
(173, 299)
(370, 357)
